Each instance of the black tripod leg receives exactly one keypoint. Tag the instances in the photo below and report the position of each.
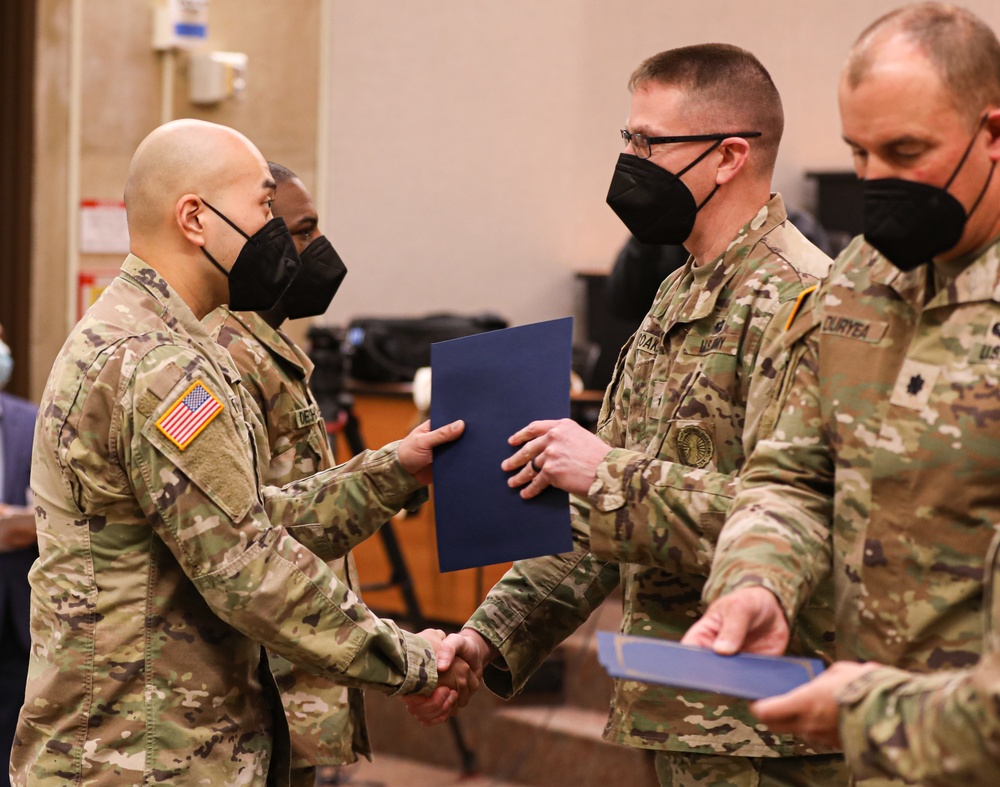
(467, 755)
(400, 575)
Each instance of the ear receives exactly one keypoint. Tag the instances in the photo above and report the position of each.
(187, 214)
(993, 129)
(735, 152)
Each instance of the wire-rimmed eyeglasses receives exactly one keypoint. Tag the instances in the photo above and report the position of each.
(641, 143)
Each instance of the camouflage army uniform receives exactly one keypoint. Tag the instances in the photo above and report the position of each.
(886, 454)
(160, 570)
(326, 721)
(682, 412)
(939, 729)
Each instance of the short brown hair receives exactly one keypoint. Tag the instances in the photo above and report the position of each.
(730, 87)
(961, 47)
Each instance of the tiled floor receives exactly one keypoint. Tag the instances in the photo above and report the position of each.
(389, 771)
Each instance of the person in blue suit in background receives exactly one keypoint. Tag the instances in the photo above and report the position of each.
(18, 550)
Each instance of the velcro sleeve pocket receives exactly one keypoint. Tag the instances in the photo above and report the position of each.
(217, 459)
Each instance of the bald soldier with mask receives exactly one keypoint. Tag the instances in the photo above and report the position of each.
(889, 470)
(684, 409)
(164, 564)
(326, 721)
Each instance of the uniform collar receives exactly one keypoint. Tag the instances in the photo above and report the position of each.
(276, 342)
(977, 280)
(173, 307)
(706, 282)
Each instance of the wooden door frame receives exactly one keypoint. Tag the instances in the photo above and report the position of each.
(18, 21)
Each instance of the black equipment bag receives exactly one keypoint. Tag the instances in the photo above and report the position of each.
(391, 349)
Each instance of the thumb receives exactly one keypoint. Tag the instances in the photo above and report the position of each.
(452, 646)
(443, 434)
(732, 632)
(445, 654)
(422, 428)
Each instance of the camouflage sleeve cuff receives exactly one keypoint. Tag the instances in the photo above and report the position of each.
(390, 479)
(343, 505)
(361, 463)
(749, 553)
(421, 666)
(496, 676)
(536, 605)
(788, 597)
(874, 725)
(607, 493)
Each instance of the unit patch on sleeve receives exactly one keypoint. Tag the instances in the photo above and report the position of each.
(188, 416)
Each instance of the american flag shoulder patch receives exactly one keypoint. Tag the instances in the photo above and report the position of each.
(185, 419)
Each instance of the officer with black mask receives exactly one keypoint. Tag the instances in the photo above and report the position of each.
(276, 372)
(884, 466)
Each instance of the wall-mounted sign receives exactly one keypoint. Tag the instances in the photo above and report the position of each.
(89, 286)
(103, 228)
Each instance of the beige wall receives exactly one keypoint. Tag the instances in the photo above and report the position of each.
(120, 100)
(470, 142)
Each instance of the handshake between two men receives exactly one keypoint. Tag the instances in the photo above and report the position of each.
(558, 453)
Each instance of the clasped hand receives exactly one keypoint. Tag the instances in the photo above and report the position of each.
(461, 659)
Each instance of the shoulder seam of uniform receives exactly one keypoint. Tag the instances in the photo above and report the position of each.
(798, 304)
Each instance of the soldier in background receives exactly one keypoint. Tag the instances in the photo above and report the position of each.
(164, 563)
(884, 463)
(326, 721)
(683, 411)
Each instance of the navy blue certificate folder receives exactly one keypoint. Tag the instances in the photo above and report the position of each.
(497, 382)
(745, 675)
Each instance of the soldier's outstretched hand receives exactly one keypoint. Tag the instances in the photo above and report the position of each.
(416, 449)
(749, 619)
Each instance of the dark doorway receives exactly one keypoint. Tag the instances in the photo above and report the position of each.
(17, 104)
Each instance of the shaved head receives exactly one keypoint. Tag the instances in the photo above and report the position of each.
(183, 157)
(195, 192)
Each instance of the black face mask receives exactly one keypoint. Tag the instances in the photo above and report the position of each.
(317, 281)
(264, 268)
(910, 223)
(653, 203)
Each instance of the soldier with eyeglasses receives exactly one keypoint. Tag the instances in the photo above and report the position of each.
(685, 407)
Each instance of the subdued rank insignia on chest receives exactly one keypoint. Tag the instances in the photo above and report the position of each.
(186, 418)
(914, 385)
(694, 446)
